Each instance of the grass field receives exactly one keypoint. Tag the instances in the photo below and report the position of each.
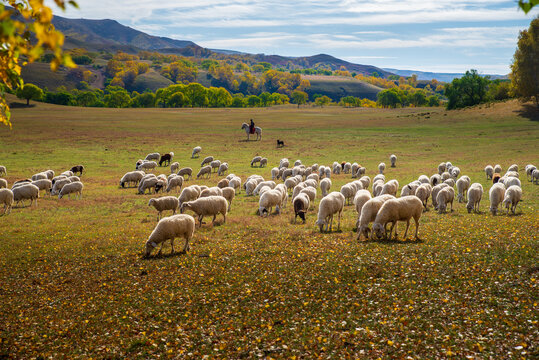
(73, 283)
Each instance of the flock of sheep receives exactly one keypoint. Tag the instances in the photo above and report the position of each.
(301, 184)
(62, 185)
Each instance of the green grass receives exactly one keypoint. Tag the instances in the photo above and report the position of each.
(73, 283)
(151, 80)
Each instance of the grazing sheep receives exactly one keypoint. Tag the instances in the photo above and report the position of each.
(189, 193)
(301, 205)
(513, 167)
(147, 166)
(410, 189)
(166, 159)
(446, 175)
(328, 172)
(489, 171)
(186, 171)
(164, 203)
(230, 176)
(529, 171)
(174, 182)
(290, 183)
(391, 187)
(297, 162)
(229, 194)
(393, 160)
(394, 210)
(348, 191)
(360, 171)
(510, 181)
(332, 204)
(336, 168)
(496, 195)
(3, 170)
(207, 160)
(215, 164)
(3, 183)
(455, 172)
(368, 214)
(255, 160)
(287, 173)
(43, 184)
(441, 170)
(379, 177)
(284, 195)
(497, 169)
(381, 167)
(6, 199)
(131, 177)
(235, 183)
(174, 167)
(314, 177)
(535, 176)
(169, 228)
(496, 178)
(434, 194)
(463, 184)
(206, 170)
(284, 163)
(321, 171)
(213, 191)
(377, 187)
(71, 188)
(423, 193)
(365, 182)
(270, 184)
(250, 186)
(207, 206)
(475, 193)
(77, 169)
(223, 168)
(263, 162)
(325, 185)
(361, 197)
(268, 200)
(59, 184)
(275, 173)
(196, 151)
(450, 182)
(354, 168)
(153, 157)
(148, 184)
(67, 173)
(25, 192)
(74, 178)
(311, 193)
(435, 179)
(347, 169)
(445, 196)
(513, 195)
(223, 183)
(39, 176)
(512, 174)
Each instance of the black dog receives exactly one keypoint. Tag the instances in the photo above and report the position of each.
(280, 143)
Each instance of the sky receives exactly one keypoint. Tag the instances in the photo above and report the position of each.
(423, 35)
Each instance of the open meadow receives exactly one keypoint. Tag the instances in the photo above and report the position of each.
(73, 283)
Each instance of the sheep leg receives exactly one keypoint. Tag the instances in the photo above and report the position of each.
(213, 220)
(416, 227)
(339, 224)
(172, 246)
(161, 248)
(451, 206)
(407, 226)
(224, 218)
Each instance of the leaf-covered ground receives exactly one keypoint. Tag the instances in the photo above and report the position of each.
(73, 283)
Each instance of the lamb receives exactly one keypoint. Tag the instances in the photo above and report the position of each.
(475, 193)
(263, 162)
(215, 164)
(310, 192)
(381, 167)
(153, 156)
(169, 228)
(147, 166)
(206, 170)
(174, 167)
(393, 210)
(361, 197)
(235, 183)
(529, 171)
(368, 214)
(268, 200)
(422, 193)
(59, 184)
(391, 187)
(207, 206)
(3, 183)
(325, 185)
(393, 159)
(187, 171)
(223, 168)
(24, 192)
(189, 193)
(43, 184)
(434, 194)
(207, 160)
(255, 160)
(497, 169)
(348, 191)
(131, 177)
(229, 194)
(71, 188)
(496, 195)
(164, 203)
(301, 205)
(77, 169)
(196, 151)
(444, 197)
(6, 198)
(213, 191)
(174, 182)
(332, 204)
(3, 170)
(441, 170)
(535, 176)
(513, 195)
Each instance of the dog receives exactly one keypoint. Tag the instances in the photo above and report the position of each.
(280, 143)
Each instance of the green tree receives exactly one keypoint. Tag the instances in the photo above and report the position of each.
(253, 101)
(389, 98)
(177, 100)
(471, 89)
(30, 92)
(86, 98)
(433, 100)
(117, 99)
(144, 100)
(525, 67)
(237, 102)
(322, 101)
(299, 97)
(61, 97)
(499, 90)
(418, 98)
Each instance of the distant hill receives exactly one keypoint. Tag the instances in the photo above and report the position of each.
(337, 87)
(445, 77)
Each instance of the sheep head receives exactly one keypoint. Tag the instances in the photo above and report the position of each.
(378, 231)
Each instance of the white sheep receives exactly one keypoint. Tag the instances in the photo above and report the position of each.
(286, 173)
(321, 171)
(170, 228)
(206, 170)
(223, 168)
(229, 194)
(336, 169)
(147, 166)
(393, 160)
(489, 171)
(365, 181)
(301, 205)
(410, 188)
(186, 171)
(207, 206)
(348, 191)
(207, 160)
(297, 162)
(381, 167)
(147, 183)
(423, 192)
(196, 151)
(496, 195)
(497, 169)
(223, 183)
(391, 187)
(58, 185)
(43, 184)
(213, 191)
(290, 183)
(354, 168)
(434, 194)
(360, 171)
(330, 205)
(6, 199)
(270, 184)
(368, 214)
(312, 182)
(174, 167)
(441, 169)
(310, 192)
(3, 170)
(255, 160)
(67, 173)
(284, 163)
(325, 185)
(377, 187)
(164, 203)
(153, 156)
(529, 171)
(275, 173)
(455, 172)
(74, 178)
(463, 184)
(131, 177)
(174, 182)
(189, 193)
(314, 168)
(510, 181)
(446, 175)
(3, 183)
(445, 196)
(450, 182)
(39, 176)
(71, 188)
(263, 162)
(361, 197)
(347, 168)
(513, 195)
(268, 200)
(475, 193)
(328, 172)
(379, 177)
(513, 167)
(25, 192)
(394, 210)
(435, 179)
(235, 183)
(535, 176)
(215, 164)
(423, 179)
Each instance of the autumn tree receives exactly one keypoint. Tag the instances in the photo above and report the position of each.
(299, 97)
(29, 92)
(525, 67)
(180, 72)
(322, 101)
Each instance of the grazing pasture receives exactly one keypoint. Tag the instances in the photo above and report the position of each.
(73, 282)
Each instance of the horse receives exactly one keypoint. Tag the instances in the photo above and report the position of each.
(258, 131)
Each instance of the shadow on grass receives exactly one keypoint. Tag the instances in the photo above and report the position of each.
(18, 105)
(529, 111)
(394, 241)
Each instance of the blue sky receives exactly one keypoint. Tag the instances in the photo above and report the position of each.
(425, 35)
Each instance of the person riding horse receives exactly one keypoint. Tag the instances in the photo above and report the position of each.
(252, 127)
